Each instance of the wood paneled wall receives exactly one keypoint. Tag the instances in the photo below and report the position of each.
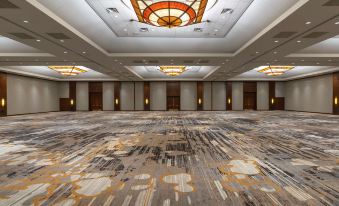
(275, 103)
(173, 95)
(200, 96)
(117, 100)
(73, 95)
(95, 96)
(147, 96)
(336, 93)
(229, 96)
(3, 94)
(250, 95)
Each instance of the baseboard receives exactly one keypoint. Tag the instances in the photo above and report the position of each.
(11, 115)
(306, 111)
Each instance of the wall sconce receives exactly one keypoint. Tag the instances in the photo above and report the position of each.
(72, 102)
(229, 101)
(3, 102)
(272, 101)
(146, 101)
(116, 101)
(199, 101)
(336, 101)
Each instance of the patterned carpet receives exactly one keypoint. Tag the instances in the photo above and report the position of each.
(169, 158)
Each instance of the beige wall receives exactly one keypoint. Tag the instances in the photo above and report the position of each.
(127, 96)
(218, 96)
(31, 95)
(237, 96)
(139, 96)
(108, 95)
(63, 90)
(158, 96)
(82, 96)
(262, 96)
(311, 95)
(207, 100)
(188, 96)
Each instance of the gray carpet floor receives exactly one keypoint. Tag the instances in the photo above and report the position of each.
(169, 158)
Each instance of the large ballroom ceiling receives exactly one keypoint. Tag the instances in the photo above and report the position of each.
(113, 37)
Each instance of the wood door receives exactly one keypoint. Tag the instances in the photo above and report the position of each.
(250, 100)
(173, 103)
(95, 101)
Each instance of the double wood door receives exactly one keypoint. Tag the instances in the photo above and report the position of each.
(250, 100)
(173, 103)
(95, 101)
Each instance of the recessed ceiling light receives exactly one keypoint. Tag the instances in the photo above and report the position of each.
(302, 60)
(257, 52)
(65, 52)
(216, 30)
(38, 40)
(120, 63)
(298, 41)
(275, 52)
(308, 22)
(26, 22)
(223, 63)
(227, 60)
(84, 52)
(336, 23)
(276, 41)
(318, 63)
(115, 60)
(62, 41)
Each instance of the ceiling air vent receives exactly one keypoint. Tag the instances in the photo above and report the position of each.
(227, 11)
(198, 30)
(22, 35)
(58, 35)
(188, 61)
(314, 35)
(285, 34)
(112, 10)
(143, 29)
(5, 4)
(204, 61)
(332, 3)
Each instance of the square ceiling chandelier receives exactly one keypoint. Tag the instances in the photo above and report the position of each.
(170, 13)
(69, 70)
(172, 70)
(274, 70)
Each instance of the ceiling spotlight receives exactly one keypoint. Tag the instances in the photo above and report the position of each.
(65, 52)
(275, 52)
(38, 40)
(298, 41)
(26, 22)
(308, 22)
(223, 63)
(62, 41)
(84, 52)
(276, 41)
(257, 52)
(216, 30)
(337, 23)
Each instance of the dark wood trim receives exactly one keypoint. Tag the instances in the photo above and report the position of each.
(3, 94)
(173, 92)
(117, 100)
(95, 91)
(200, 96)
(271, 94)
(250, 92)
(335, 100)
(229, 99)
(147, 94)
(73, 96)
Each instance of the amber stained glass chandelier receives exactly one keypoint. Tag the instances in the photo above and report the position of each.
(172, 70)
(275, 70)
(68, 70)
(169, 13)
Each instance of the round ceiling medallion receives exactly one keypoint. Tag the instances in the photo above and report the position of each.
(169, 14)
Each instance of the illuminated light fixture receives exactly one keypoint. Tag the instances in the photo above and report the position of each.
(72, 102)
(229, 100)
(172, 70)
(116, 101)
(272, 101)
(69, 70)
(3, 102)
(170, 13)
(146, 101)
(274, 70)
(336, 101)
(199, 101)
